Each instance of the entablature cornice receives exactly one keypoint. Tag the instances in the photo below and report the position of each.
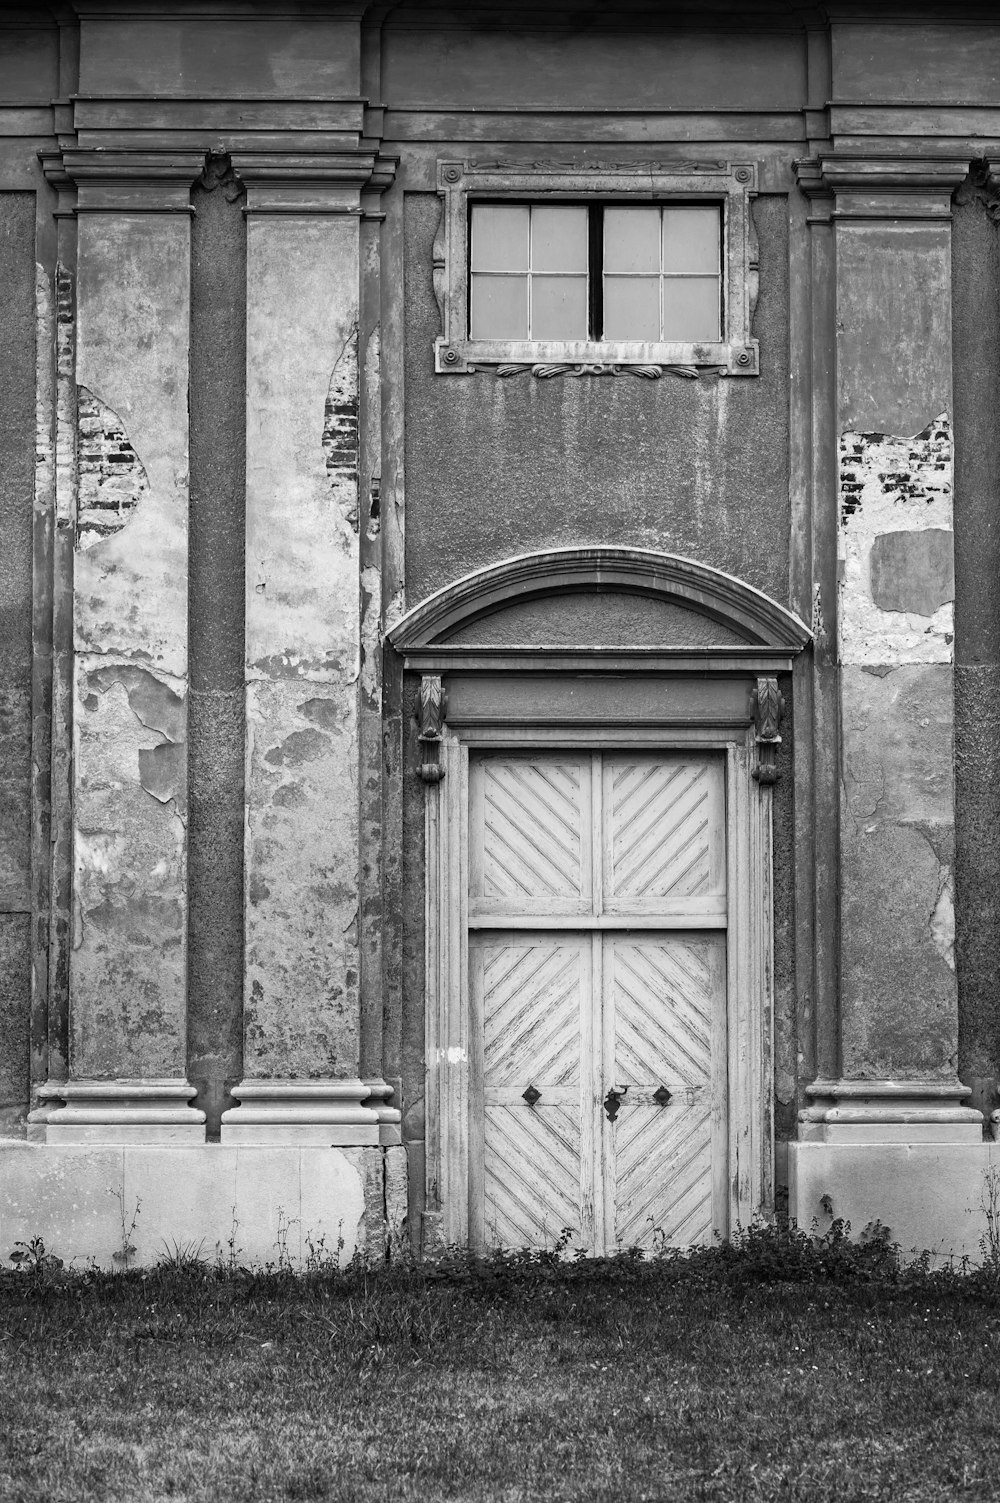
(98, 180)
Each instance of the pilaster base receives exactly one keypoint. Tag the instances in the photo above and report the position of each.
(321, 1113)
(889, 1111)
(117, 1111)
(389, 1118)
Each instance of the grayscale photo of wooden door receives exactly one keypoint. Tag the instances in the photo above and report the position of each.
(597, 919)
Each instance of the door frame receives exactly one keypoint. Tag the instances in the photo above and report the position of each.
(506, 712)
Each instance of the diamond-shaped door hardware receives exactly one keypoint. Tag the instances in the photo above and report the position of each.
(661, 1095)
(531, 1095)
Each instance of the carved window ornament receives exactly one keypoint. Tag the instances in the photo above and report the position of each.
(729, 185)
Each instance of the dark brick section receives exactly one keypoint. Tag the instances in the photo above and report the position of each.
(216, 722)
(976, 324)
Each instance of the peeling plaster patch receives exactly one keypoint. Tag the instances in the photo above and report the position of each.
(299, 747)
(159, 708)
(943, 920)
(302, 871)
(340, 430)
(395, 609)
(818, 624)
(155, 704)
(286, 665)
(896, 587)
(326, 713)
(913, 571)
(112, 480)
(371, 634)
(65, 395)
(163, 772)
(128, 967)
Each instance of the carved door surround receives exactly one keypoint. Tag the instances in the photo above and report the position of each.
(720, 699)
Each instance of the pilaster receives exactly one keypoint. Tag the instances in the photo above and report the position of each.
(892, 1072)
(302, 1059)
(124, 501)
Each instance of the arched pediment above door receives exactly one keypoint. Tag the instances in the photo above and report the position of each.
(613, 608)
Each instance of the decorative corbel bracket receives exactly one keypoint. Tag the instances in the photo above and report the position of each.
(767, 705)
(433, 702)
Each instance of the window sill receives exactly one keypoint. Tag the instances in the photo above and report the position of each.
(583, 357)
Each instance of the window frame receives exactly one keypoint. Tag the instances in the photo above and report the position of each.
(731, 185)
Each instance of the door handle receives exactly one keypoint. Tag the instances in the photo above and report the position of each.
(613, 1101)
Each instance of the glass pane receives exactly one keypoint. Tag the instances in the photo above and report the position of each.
(499, 308)
(691, 240)
(559, 307)
(632, 308)
(558, 239)
(691, 308)
(632, 240)
(499, 237)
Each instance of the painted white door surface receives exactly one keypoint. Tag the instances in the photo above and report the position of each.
(597, 957)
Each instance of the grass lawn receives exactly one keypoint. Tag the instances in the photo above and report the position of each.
(770, 1371)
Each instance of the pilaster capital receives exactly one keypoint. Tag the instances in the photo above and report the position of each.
(883, 185)
(312, 183)
(132, 182)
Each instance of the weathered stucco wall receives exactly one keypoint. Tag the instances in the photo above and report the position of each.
(976, 374)
(302, 585)
(498, 467)
(17, 442)
(128, 967)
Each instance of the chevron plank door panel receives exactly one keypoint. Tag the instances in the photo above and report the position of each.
(530, 840)
(665, 837)
(532, 1011)
(597, 959)
(665, 1008)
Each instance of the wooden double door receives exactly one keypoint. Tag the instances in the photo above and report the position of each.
(597, 913)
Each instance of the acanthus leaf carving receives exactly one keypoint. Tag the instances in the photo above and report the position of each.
(433, 702)
(767, 705)
(544, 371)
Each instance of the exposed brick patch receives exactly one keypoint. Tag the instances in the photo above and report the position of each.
(905, 469)
(340, 431)
(896, 547)
(111, 477)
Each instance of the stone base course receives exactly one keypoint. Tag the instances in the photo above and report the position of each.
(254, 1204)
(932, 1196)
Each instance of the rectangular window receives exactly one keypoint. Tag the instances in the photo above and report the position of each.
(650, 273)
(596, 269)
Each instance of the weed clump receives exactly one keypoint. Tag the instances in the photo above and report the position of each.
(764, 1254)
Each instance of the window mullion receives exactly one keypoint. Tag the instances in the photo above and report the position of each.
(595, 270)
